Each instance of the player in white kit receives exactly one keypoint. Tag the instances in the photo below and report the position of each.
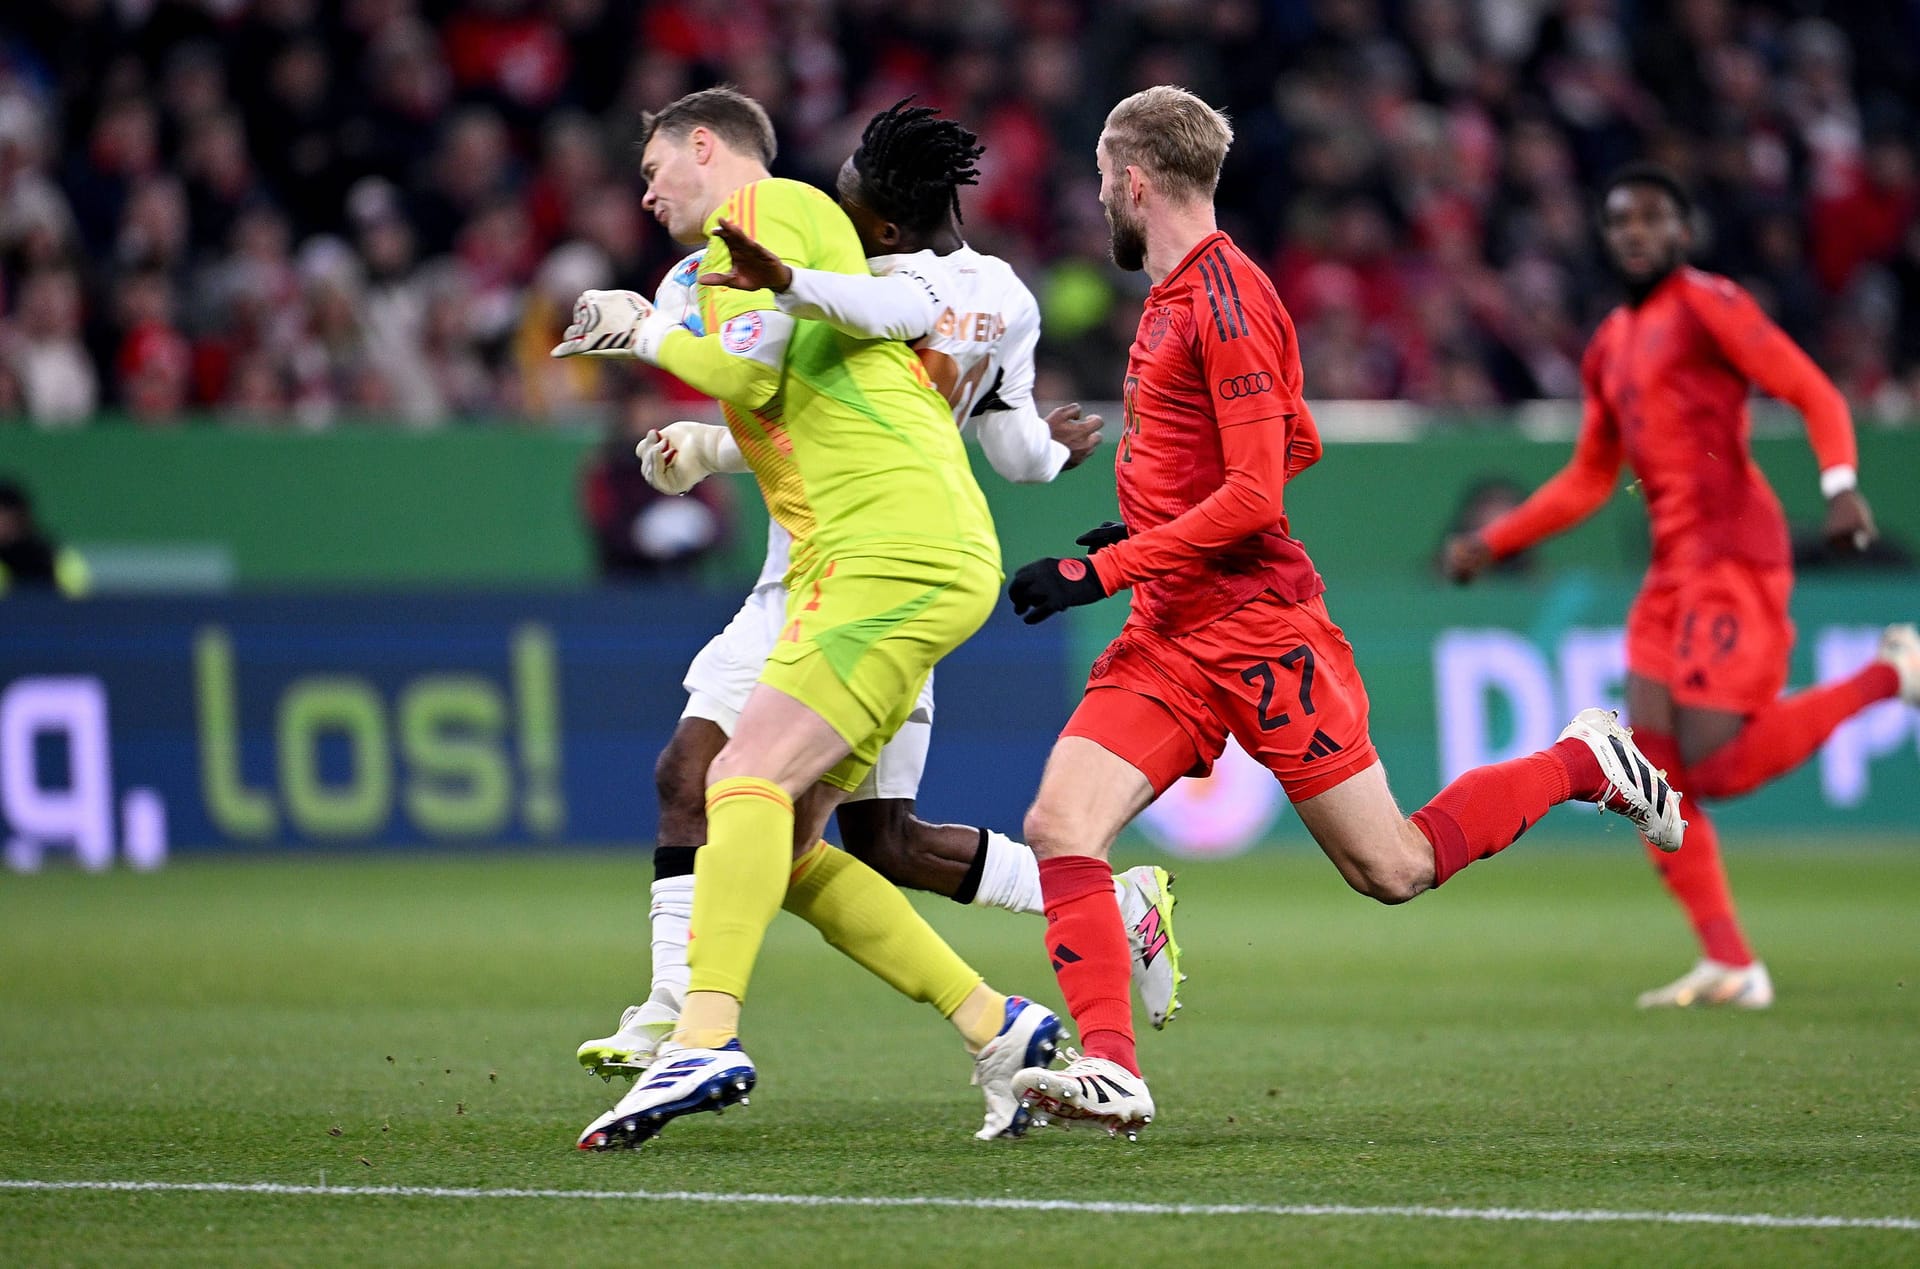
(975, 326)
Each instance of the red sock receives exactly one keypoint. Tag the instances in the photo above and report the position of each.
(1785, 733)
(1087, 942)
(1693, 874)
(1485, 811)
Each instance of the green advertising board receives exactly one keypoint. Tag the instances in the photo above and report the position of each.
(498, 506)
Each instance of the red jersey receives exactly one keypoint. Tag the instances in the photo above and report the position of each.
(1215, 426)
(1666, 388)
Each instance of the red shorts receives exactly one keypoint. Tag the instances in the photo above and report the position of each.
(1278, 677)
(1717, 636)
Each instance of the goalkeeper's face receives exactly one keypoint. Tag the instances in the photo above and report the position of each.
(678, 186)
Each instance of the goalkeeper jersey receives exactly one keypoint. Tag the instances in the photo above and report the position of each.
(854, 450)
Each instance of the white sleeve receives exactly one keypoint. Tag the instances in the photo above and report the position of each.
(1014, 437)
(902, 305)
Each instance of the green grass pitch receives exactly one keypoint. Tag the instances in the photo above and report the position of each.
(411, 1022)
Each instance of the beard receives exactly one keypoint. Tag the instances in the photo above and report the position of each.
(1127, 239)
(1640, 285)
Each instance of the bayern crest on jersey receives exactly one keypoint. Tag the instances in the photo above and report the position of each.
(740, 334)
(1157, 327)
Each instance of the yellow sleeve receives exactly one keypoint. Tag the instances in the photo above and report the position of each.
(739, 359)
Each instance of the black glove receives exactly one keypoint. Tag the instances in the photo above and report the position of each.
(1048, 586)
(1105, 534)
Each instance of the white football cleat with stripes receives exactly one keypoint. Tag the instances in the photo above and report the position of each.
(1636, 789)
(1712, 983)
(1089, 1089)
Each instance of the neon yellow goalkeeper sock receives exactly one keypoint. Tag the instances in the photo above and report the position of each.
(861, 913)
(739, 877)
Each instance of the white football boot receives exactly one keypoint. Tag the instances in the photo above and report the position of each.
(1029, 1038)
(631, 1047)
(1713, 983)
(1900, 648)
(1635, 789)
(1146, 905)
(681, 1081)
(1090, 1089)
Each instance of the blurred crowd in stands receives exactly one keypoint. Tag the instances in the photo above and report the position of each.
(297, 212)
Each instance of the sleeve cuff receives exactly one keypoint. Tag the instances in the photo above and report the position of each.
(1837, 480)
(795, 300)
(1106, 566)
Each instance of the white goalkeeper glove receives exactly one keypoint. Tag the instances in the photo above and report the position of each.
(614, 324)
(681, 455)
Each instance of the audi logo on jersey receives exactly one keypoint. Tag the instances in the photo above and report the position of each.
(1246, 385)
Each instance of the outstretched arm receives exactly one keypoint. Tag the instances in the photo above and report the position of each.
(902, 305)
(1571, 495)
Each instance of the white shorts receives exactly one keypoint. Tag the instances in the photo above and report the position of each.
(724, 673)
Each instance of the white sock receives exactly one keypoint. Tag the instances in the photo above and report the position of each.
(1011, 877)
(672, 911)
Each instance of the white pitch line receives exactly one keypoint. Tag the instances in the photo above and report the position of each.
(1573, 1216)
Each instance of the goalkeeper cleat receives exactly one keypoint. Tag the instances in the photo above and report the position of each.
(1635, 789)
(1029, 1038)
(682, 1081)
(1900, 648)
(1089, 1089)
(1712, 983)
(630, 1048)
(1146, 905)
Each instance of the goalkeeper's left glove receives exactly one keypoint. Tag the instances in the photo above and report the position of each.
(1048, 586)
(614, 324)
(681, 455)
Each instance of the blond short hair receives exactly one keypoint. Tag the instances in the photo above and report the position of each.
(1177, 138)
(726, 112)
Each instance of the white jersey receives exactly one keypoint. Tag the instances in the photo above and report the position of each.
(975, 326)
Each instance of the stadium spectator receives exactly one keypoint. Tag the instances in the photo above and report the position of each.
(43, 348)
(1417, 174)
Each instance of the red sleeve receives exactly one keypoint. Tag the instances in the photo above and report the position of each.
(1245, 503)
(1765, 354)
(1576, 490)
(1243, 360)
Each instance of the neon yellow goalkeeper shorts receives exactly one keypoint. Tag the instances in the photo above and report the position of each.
(863, 633)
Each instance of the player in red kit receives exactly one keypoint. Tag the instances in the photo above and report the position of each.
(1229, 634)
(1667, 377)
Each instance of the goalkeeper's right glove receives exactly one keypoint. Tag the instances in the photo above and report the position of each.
(681, 455)
(614, 324)
(1106, 534)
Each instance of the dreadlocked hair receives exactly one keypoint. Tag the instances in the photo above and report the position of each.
(912, 164)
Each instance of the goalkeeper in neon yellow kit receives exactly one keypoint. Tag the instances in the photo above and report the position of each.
(895, 564)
